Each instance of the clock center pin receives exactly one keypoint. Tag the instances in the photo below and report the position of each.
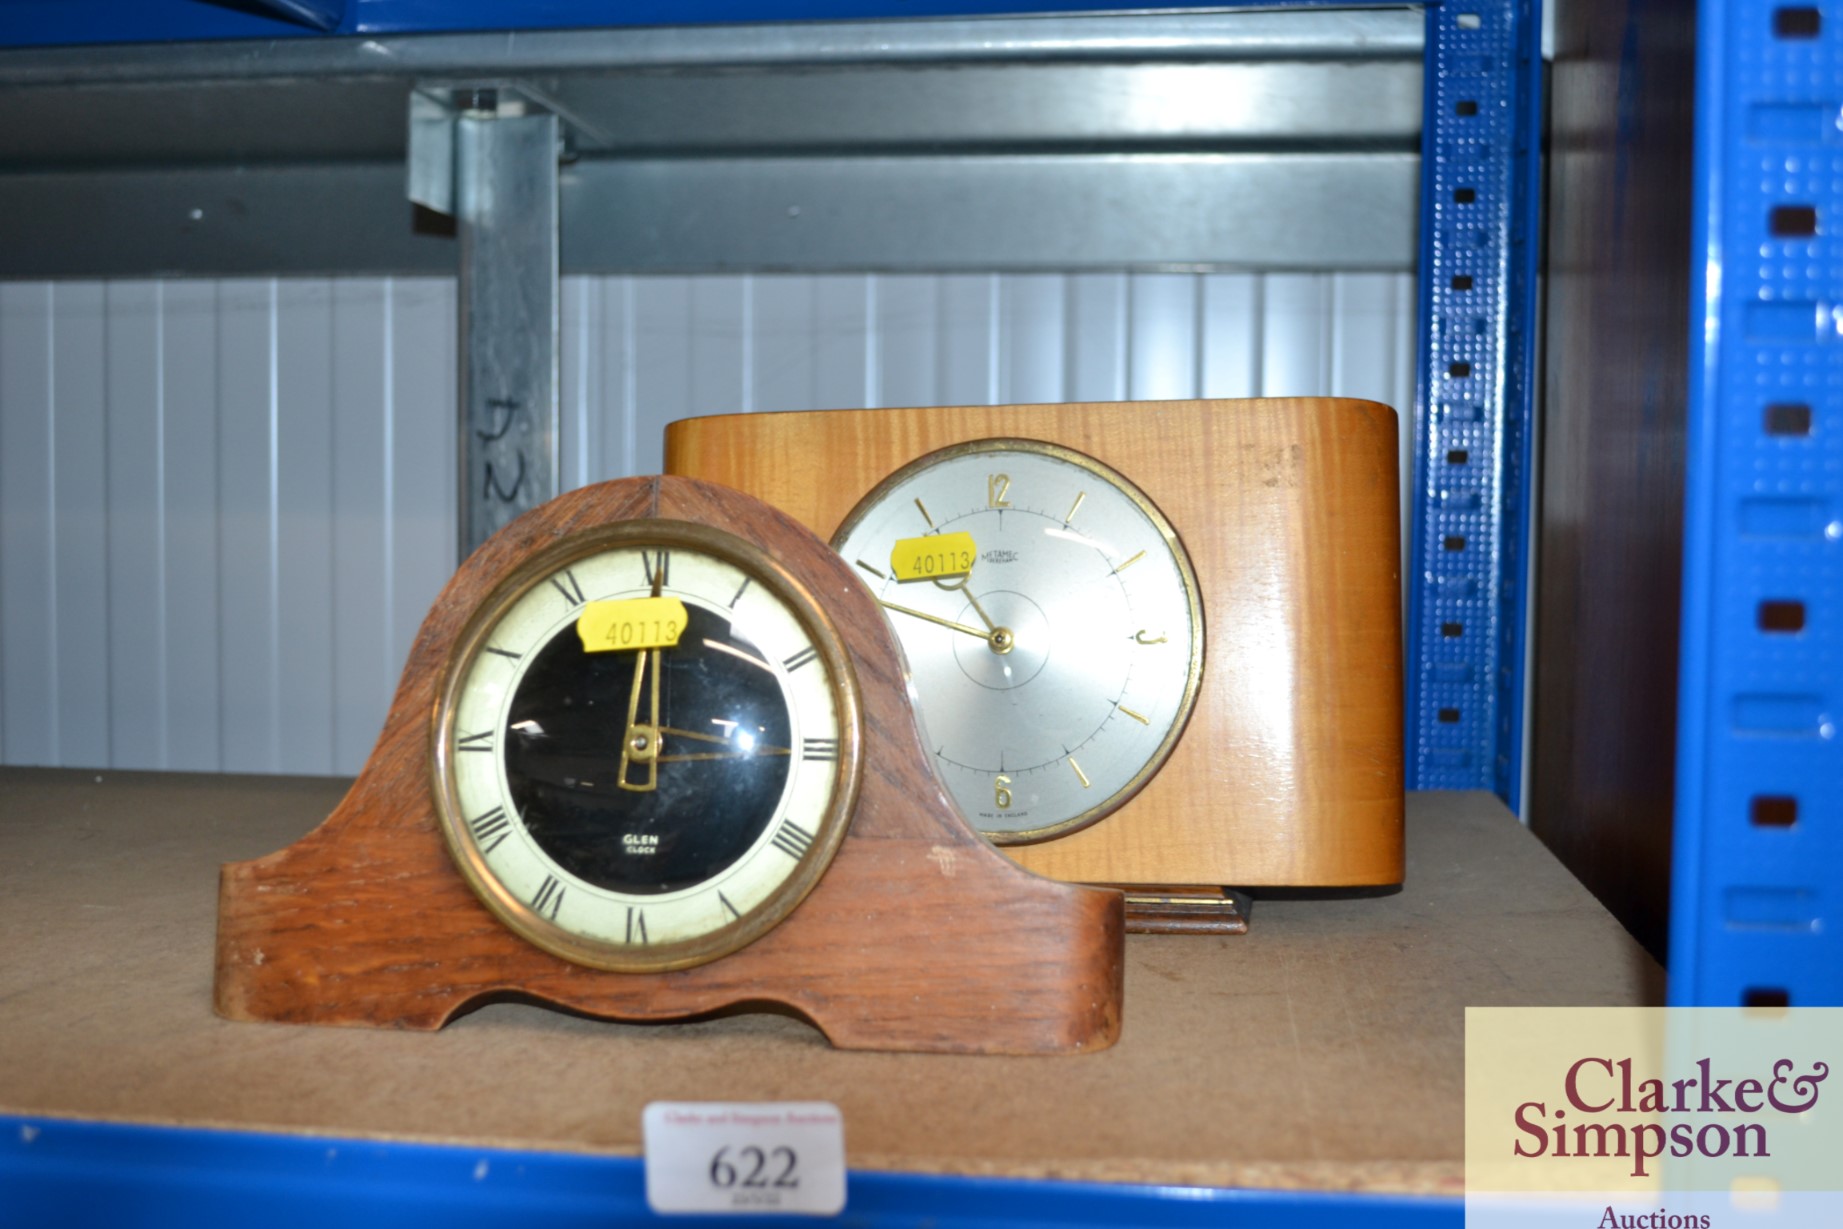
(1017, 643)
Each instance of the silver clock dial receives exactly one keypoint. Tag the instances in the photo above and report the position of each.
(1056, 674)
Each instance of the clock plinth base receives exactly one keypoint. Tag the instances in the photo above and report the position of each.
(918, 935)
(1168, 910)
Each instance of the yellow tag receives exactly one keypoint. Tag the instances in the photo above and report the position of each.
(935, 557)
(633, 623)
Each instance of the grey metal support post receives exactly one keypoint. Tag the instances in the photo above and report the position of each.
(490, 158)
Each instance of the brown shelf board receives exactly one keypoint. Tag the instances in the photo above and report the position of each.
(1322, 1050)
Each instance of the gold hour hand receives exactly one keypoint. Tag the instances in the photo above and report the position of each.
(721, 742)
(724, 755)
(1000, 640)
(640, 740)
(991, 627)
(693, 734)
(962, 588)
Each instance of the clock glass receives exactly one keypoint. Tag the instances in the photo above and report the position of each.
(646, 747)
(1051, 622)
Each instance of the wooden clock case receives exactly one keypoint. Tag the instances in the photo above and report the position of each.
(919, 935)
(1290, 770)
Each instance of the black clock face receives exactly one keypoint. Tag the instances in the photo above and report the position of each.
(637, 799)
(723, 754)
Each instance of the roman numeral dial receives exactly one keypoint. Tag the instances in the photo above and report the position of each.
(740, 729)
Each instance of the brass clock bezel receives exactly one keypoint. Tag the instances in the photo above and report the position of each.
(762, 569)
(1186, 574)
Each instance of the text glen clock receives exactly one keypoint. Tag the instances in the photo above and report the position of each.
(1236, 561)
(1051, 621)
(653, 756)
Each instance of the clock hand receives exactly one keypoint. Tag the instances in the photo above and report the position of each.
(958, 627)
(703, 738)
(992, 629)
(724, 755)
(640, 740)
(712, 738)
(1001, 639)
(653, 706)
(977, 608)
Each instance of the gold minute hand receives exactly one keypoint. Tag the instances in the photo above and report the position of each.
(958, 627)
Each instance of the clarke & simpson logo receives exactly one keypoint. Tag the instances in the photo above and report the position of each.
(1621, 1112)
(1653, 1118)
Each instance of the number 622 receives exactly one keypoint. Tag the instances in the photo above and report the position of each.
(758, 1165)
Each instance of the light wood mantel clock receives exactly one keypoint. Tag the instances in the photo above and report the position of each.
(1156, 645)
(653, 756)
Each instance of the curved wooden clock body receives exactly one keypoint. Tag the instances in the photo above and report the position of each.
(1290, 771)
(919, 936)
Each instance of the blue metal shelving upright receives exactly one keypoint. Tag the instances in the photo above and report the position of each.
(1757, 902)
(1480, 175)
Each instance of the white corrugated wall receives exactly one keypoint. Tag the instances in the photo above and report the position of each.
(226, 505)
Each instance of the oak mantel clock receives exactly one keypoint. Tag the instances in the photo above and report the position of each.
(1153, 644)
(652, 756)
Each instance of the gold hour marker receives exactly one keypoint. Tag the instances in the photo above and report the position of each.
(1078, 772)
(924, 512)
(871, 570)
(1074, 506)
(1135, 716)
(1129, 563)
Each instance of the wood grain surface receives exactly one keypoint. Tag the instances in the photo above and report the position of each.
(1290, 771)
(920, 936)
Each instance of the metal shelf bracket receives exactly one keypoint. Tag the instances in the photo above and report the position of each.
(486, 154)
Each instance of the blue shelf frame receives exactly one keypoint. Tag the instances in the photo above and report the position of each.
(1480, 219)
(1757, 882)
(1466, 638)
(67, 1172)
(33, 23)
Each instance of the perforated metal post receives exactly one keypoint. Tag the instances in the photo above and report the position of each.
(1468, 556)
(1756, 904)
